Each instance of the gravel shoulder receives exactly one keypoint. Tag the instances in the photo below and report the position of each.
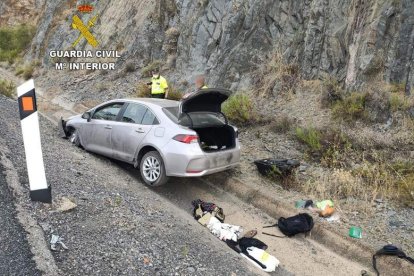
(119, 226)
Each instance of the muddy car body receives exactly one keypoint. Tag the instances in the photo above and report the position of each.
(162, 137)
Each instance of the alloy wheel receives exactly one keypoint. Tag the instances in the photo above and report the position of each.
(151, 168)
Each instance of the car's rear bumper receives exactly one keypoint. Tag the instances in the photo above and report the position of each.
(190, 161)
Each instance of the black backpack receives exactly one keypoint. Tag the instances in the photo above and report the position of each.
(291, 226)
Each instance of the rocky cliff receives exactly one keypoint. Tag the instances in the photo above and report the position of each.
(354, 40)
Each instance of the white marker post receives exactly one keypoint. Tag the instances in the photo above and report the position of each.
(39, 190)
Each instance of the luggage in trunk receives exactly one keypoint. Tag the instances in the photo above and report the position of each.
(202, 112)
(216, 138)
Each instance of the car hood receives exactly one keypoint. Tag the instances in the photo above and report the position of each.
(79, 116)
(205, 100)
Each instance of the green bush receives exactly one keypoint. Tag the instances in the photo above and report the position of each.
(13, 40)
(400, 102)
(7, 88)
(351, 107)
(310, 137)
(239, 109)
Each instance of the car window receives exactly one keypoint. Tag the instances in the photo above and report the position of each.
(149, 118)
(108, 113)
(134, 113)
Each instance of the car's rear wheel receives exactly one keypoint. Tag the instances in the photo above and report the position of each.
(152, 169)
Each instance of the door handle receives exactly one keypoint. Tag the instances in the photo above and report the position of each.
(108, 127)
(139, 130)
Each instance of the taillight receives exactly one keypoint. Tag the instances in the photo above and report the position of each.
(187, 139)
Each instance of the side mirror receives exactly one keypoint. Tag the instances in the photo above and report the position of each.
(87, 116)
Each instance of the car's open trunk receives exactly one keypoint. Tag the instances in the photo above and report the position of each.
(216, 138)
(201, 112)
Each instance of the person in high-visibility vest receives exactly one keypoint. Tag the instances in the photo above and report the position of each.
(159, 85)
(200, 84)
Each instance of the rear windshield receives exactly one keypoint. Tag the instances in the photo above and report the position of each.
(198, 119)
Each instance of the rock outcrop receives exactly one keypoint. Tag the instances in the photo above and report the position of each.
(354, 40)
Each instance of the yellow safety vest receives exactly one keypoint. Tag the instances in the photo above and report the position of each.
(158, 85)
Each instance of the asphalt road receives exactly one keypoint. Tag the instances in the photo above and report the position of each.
(15, 254)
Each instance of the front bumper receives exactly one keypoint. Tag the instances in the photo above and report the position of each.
(62, 128)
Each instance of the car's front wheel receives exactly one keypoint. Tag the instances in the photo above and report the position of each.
(152, 169)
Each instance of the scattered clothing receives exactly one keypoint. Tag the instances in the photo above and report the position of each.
(201, 208)
(244, 243)
(250, 234)
(261, 259)
(224, 231)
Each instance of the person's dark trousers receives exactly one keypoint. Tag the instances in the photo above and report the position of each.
(160, 96)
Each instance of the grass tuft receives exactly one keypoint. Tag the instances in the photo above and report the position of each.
(351, 108)
(146, 71)
(7, 88)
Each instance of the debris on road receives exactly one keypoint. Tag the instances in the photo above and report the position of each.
(224, 231)
(281, 167)
(301, 223)
(65, 205)
(334, 218)
(261, 259)
(254, 251)
(355, 232)
(201, 208)
(390, 250)
(212, 216)
(57, 240)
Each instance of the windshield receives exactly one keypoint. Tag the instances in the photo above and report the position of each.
(198, 119)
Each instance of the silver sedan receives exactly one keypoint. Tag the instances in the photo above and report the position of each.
(162, 137)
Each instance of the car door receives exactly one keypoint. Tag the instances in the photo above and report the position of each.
(98, 131)
(132, 127)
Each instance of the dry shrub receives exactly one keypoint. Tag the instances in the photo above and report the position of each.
(142, 90)
(174, 93)
(7, 88)
(351, 107)
(328, 146)
(171, 40)
(146, 71)
(281, 124)
(277, 76)
(129, 67)
(26, 71)
(332, 92)
(366, 182)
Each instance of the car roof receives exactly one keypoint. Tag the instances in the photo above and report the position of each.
(154, 101)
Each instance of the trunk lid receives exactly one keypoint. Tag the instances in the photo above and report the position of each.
(205, 101)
